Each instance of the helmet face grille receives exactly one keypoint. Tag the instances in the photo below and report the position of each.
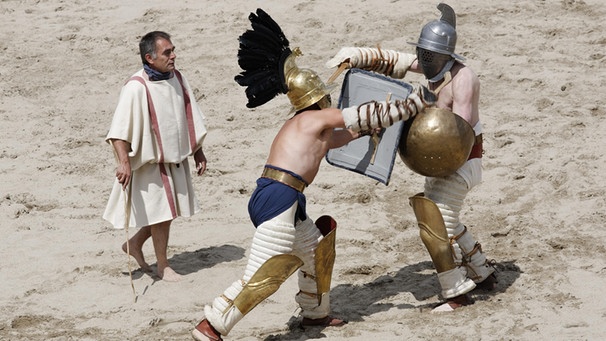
(432, 62)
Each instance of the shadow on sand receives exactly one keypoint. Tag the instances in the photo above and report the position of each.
(418, 279)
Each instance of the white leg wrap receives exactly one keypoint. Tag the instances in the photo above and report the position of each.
(223, 321)
(308, 236)
(449, 193)
(454, 282)
(273, 237)
(475, 261)
(383, 114)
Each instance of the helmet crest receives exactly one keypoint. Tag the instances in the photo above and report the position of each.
(448, 14)
(269, 67)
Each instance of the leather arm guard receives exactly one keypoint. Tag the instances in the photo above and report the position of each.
(374, 114)
(388, 62)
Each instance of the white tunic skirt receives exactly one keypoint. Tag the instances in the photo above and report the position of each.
(160, 192)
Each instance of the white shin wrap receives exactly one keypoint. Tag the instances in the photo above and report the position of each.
(454, 282)
(449, 193)
(383, 114)
(273, 237)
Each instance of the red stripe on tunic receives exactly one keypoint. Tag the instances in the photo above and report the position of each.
(156, 129)
(153, 116)
(188, 114)
(168, 190)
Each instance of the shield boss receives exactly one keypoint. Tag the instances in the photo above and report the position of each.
(436, 142)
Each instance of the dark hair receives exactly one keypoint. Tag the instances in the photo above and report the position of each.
(147, 45)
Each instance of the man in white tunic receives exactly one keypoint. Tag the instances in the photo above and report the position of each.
(156, 126)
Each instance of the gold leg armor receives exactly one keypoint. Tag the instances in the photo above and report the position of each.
(266, 281)
(325, 255)
(433, 232)
(435, 237)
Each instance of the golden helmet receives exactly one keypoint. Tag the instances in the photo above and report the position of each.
(436, 142)
(305, 88)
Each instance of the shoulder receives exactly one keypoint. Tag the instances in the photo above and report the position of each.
(319, 120)
(464, 75)
(461, 70)
(319, 115)
(135, 81)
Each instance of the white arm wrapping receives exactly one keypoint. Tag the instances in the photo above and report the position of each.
(383, 114)
(387, 62)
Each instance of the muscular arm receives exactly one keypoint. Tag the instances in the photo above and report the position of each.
(465, 95)
(123, 171)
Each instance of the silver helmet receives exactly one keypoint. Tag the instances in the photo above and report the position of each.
(436, 45)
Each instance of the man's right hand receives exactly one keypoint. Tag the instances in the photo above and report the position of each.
(124, 171)
(123, 174)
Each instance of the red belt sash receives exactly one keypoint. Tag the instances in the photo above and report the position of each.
(476, 150)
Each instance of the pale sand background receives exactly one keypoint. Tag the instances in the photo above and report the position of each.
(539, 213)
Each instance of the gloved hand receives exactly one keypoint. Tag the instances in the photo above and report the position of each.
(346, 54)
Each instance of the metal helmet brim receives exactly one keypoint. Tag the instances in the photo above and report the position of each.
(440, 35)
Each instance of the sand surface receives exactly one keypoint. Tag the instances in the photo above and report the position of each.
(539, 213)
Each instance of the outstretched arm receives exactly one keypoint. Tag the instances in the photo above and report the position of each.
(341, 137)
(388, 62)
(374, 114)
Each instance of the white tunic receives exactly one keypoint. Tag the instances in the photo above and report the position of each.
(161, 184)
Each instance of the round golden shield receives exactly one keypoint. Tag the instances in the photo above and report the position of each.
(436, 142)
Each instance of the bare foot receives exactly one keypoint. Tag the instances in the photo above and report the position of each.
(169, 275)
(138, 256)
(328, 321)
(453, 303)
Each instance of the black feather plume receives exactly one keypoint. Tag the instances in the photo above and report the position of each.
(261, 55)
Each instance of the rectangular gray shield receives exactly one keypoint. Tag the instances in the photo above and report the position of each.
(358, 87)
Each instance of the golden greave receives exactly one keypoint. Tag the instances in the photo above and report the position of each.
(433, 233)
